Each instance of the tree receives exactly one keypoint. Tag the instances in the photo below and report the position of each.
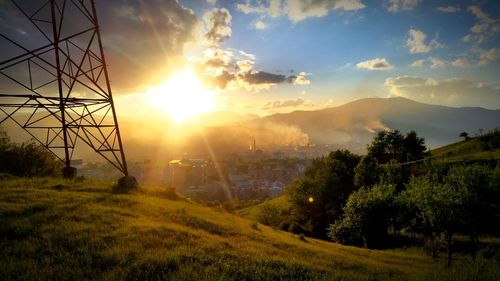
(367, 217)
(464, 135)
(414, 146)
(438, 208)
(366, 172)
(394, 144)
(27, 159)
(481, 208)
(392, 173)
(329, 182)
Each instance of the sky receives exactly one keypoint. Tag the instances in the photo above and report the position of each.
(265, 57)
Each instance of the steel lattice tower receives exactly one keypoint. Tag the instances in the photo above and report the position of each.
(56, 86)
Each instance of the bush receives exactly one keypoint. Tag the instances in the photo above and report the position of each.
(367, 217)
(28, 159)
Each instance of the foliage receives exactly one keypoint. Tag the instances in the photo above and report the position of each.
(367, 172)
(366, 220)
(27, 159)
(394, 143)
(464, 135)
(392, 173)
(439, 207)
(328, 181)
(490, 140)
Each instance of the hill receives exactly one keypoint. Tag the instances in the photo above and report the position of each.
(353, 124)
(252, 212)
(478, 148)
(78, 230)
(349, 126)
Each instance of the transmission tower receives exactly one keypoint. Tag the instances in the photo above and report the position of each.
(54, 81)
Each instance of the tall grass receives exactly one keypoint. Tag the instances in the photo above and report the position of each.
(52, 229)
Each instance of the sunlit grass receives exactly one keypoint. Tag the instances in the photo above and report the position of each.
(78, 230)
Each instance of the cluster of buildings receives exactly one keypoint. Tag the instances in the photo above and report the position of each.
(243, 177)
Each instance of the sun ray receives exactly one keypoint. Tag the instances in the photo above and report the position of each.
(183, 96)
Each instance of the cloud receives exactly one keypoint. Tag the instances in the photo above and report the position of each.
(280, 104)
(487, 56)
(272, 9)
(375, 64)
(128, 28)
(448, 9)
(298, 10)
(260, 25)
(249, 56)
(218, 23)
(434, 62)
(401, 5)
(416, 42)
(300, 79)
(262, 77)
(418, 63)
(451, 92)
(484, 29)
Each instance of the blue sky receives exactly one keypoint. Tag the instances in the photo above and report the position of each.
(262, 57)
(329, 42)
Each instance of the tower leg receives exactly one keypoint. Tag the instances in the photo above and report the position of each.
(69, 172)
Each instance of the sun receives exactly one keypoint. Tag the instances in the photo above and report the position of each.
(183, 96)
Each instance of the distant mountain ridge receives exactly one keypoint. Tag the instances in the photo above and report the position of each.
(354, 123)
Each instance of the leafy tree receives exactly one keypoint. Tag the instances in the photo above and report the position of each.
(366, 172)
(27, 159)
(367, 217)
(438, 208)
(414, 146)
(392, 173)
(481, 208)
(328, 182)
(393, 143)
(464, 135)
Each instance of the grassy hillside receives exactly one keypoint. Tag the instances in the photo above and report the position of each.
(252, 212)
(471, 149)
(63, 230)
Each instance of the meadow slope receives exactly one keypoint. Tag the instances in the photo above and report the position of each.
(54, 229)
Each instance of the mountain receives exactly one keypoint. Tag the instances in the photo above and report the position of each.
(350, 126)
(354, 123)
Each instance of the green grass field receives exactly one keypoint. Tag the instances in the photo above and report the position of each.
(54, 229)
(252, 212)
(465, 150)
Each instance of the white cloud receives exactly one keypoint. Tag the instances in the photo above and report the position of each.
(418, 63)
(298, 10)
(437, 62)
(452, 92)
(401, 5)
(375, 64)
(460, 62)
(294, 104)
(434, 62)
(260, 25)
(272, 9)
(448, 9)
(300, 79)
(247, 55)
(218, 23)
(211, 1)
(484, 29)
(416, 42)
(487, 56)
